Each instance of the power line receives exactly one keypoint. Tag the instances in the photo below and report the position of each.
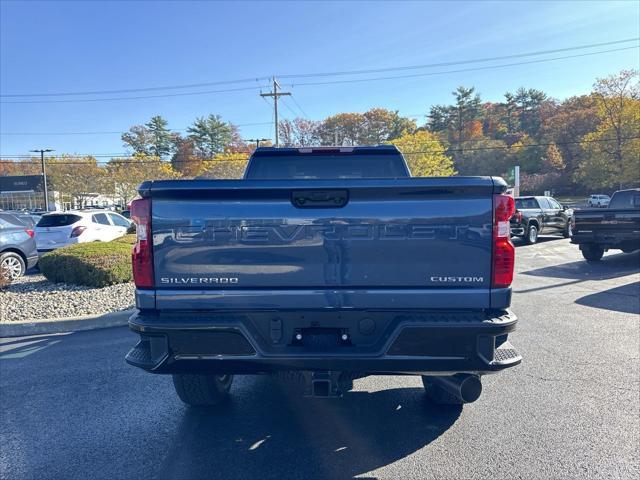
(130, 158)
(108, 99)
(457, 62)
(133, 90)
(329, 82)
(415, 75)
(304, 114)
(320, 74)
(295, 114)
(113, 132)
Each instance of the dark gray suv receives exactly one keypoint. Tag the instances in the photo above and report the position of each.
(17, 246)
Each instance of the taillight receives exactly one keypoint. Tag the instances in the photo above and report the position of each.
(77, 231)
(503, 249)
(30, 232)
(519, 217)
(142, 254)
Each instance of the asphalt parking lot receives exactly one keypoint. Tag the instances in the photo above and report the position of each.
(72, 409)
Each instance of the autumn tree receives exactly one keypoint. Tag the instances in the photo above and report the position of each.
(342, 129)
(613, 149)
(77, 179)
(425, 154)
(225, 165)
(299, 133)
(481, 157)
(566, 126)
(380, 125)
(185, 159)
(467, 108)
(210, 135)
(126, 174)
(30, 166)
(137, 139)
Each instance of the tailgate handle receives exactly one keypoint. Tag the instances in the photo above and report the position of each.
(319, 198)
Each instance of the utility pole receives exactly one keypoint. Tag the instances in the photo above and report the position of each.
(257, 140)
(275, 94)
(44, 175)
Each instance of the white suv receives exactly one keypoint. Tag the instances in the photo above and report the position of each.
(599, 200)
(55, 230)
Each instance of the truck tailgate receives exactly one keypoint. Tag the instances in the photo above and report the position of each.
(413, 235)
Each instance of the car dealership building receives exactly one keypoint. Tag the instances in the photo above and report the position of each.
(25, 192)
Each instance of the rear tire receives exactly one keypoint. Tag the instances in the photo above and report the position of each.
(592, 253)
(437, 395)
(531, 236)
(12, 265)
(202, 390)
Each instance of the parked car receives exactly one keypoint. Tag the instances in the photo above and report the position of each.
(55, 230)
(535, 216)
(28, 219)
(322, 266)
(617, 227)
(598, 200)
(17, 246)
(126, 214)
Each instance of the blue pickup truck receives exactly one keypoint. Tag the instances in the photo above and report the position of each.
(321, 266)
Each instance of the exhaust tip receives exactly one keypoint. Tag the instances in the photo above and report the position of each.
(470, 389)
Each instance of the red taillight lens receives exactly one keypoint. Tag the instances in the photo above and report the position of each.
(519, 217)
(77, 231)
(503, 249)
(142, 255)
(30, 232)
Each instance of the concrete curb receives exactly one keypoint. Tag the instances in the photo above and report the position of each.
(60, 325)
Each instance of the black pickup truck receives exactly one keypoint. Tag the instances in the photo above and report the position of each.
(322, 266)
(536, 216)
(616, 227)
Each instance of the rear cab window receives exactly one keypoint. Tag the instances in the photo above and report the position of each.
(526, 203)
(625, 199)
(325, 164)
(58, 220)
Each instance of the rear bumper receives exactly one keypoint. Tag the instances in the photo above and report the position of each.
(377, 342)
(607, 240)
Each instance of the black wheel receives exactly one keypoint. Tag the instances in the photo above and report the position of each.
(12, 265)
(592, 253)
(202, 390)
(531, 236)
(567, 230)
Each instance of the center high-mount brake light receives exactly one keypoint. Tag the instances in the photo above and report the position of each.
(142, 254)
(503, 249)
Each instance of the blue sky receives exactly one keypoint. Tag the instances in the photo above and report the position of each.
(56, 46)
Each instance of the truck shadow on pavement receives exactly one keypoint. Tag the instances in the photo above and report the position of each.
(625, 298)
(611, 266)
(265, 432)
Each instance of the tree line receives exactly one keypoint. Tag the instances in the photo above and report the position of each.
(574, 146)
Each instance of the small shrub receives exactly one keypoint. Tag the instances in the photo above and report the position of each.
(93, 264)
(128, 239)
